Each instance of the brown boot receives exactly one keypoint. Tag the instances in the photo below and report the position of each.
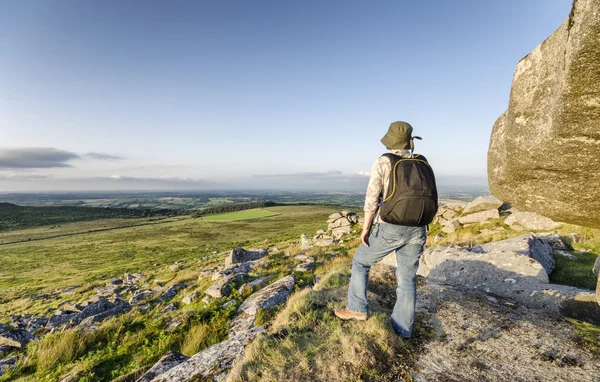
(346, 314)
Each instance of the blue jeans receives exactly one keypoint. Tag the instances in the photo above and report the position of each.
(408, 243)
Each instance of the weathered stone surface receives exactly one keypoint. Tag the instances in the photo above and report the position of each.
(171, 292)
(305, 267)
(191, 297)
(118, 307)
(166, 363)
(237, 269)
(490, 338)
(59, 319)
(482, 203)
(596, 268)
(527, 245)
(98, 306)
(17, 338)
(223, 286)
(7, 363)
(240, 255)
(531, 220)
(212, 361)
(132, 278)
(544, 151)
(141, 296)
(458, 266)
(451, 226)
(269, 297)
(169, 308)
(35, 323)
(306, 259)
(479, 217)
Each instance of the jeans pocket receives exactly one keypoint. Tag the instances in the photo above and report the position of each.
(389, 236)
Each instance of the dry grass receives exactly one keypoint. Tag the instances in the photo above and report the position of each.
(195, 339)
(306, 342)
(60, 348)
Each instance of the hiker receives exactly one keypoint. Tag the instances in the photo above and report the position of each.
(401, 200)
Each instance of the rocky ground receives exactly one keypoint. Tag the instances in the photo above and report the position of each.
(493, 313)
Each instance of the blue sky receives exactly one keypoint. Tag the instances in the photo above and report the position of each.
(212, 94)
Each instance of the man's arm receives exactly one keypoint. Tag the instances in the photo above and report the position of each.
(372, 199)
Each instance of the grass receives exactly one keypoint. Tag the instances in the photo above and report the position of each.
(125, 346)
(307, 342)
(43, 266)
(241, 215)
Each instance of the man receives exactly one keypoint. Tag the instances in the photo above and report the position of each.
(388, 180)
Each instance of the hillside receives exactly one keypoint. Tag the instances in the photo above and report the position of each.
(134, 295)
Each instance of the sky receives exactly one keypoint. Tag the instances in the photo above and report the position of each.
(140, 95)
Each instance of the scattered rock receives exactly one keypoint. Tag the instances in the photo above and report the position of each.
(175, 267)
(166, 363)
(479, 217)
(59, 320)
(8, 363)
(451, 226)
(169, 308)
(240, 255)
(141, 296)
(307, 259)
(191, 297)
(36, 323)
(223, 287)
(531, 220)
(132, 278)
(16, 338)
(171, 292)
(212, 361)
(118, 307)
(269, 297)
(236, 269)
(305, 267)
(482, 203)
(305, 242)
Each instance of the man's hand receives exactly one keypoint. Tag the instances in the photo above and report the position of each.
(364, 237)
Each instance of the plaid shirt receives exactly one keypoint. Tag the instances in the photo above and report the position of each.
(379, 182)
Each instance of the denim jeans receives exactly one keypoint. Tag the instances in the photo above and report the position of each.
(408, 243)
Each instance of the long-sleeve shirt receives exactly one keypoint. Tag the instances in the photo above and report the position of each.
(379, 183)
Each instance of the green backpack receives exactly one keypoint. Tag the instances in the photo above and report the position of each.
(412, 198)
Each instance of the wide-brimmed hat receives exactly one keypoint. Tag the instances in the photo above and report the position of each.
(399, 136)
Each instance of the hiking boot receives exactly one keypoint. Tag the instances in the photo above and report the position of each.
(346, 314)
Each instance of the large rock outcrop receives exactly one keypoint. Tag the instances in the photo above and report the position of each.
(544, 151)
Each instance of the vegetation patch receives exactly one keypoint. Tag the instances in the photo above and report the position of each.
(241, 215)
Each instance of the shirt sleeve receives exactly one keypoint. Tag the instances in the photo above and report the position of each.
(375, 188)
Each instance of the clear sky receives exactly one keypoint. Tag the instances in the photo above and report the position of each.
(278, 94)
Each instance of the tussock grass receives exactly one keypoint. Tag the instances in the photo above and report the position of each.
(59, 348)
(306, 342)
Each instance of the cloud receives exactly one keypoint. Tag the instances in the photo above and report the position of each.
(329, 180)
(35, 157)
(102, 156)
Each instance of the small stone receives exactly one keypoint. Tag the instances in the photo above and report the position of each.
(169, 308)
(191, 297)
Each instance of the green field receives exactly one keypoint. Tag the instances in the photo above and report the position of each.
(127, 345)
(241, 215)
(40, 266)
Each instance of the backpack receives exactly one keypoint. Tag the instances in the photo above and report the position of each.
(412, 198)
